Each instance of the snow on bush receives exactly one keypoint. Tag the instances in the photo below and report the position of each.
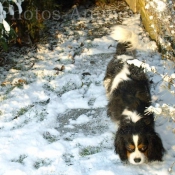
(7, 8)
(10, 11)
(162, 12)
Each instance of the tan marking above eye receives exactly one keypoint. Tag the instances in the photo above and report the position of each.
(130, 147)
(142, 147)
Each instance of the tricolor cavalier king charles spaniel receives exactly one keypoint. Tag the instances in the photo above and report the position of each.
(128, 92)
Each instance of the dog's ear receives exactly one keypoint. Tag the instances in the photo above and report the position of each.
(119, 145)
(155, 147)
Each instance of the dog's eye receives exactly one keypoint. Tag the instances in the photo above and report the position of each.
(143, 148)
(130, 149)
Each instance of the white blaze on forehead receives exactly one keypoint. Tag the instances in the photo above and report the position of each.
(133, 116)
(121, 76)
(135, 140)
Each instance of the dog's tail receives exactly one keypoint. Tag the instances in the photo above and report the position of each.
(122, 34)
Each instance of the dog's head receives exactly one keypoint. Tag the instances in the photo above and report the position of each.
(138, 144)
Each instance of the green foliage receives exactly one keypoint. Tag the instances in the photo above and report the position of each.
(20, 159)
(42, 162)
(32, 18)
(22, 111)
(25, 27)
(50, 138)
(6, 37)
(89, 151)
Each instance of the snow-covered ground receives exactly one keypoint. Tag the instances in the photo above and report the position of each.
(53, 106)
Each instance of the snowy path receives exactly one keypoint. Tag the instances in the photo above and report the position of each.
(54, 122)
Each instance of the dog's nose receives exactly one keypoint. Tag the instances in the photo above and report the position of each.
(137, 160)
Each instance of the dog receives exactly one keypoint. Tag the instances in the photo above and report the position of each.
(128, 92)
